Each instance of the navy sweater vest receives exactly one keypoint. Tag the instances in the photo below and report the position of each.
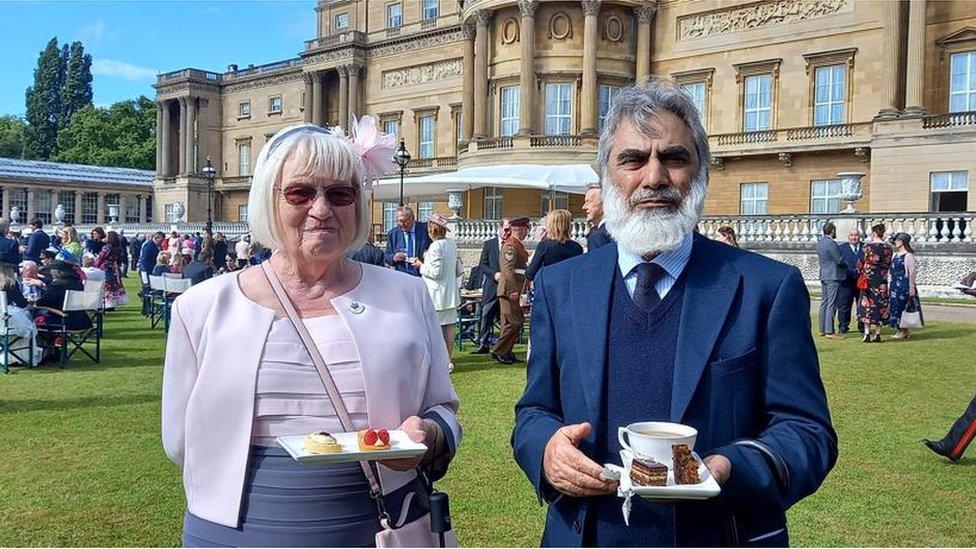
(640, 372)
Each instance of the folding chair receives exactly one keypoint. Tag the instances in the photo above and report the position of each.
(172, 275)
(145, 293)
(157, 300)
(6, 342)
(468, 323)
(174, 287)
(97, 286)
(77, 301)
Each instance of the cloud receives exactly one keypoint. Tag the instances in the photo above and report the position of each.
(121, 69)
(93, 32)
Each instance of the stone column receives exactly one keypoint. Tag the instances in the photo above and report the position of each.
(30, 206)
(6, 202)
(915, 74)
(183, 132)
(53, 205)
(343, 96)
(467, 85)
(526, 72)
(354, 90)
(890, 43)
(308, 114)
(142, 208)
(101, 209)
(191, 120)
(318, 103)
(122, 206)
(645, 16)
(482, 18)
(166, 141)
(589, 96)
(159, 140)
(78, 206)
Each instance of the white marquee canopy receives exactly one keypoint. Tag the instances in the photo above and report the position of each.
(568, 178)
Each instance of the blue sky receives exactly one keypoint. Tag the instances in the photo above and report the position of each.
(131, 41)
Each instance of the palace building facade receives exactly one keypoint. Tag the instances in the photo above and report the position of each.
(792, 92)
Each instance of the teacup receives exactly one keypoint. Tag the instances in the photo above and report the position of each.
(653, 439)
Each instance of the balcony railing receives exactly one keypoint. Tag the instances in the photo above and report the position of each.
(188, 73)
(791, 136)
(472, 231)
(925, 228)
(264, 69)
(949, 120)
(555, 141)
(434, 162)
(349, 37)
(495, 143)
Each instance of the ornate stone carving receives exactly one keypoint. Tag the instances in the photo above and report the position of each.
(786, 159)
(613, 29)
(591, 7)
(416, 43)
(645, 13)
(264, 80)
(510, 31)
(863, 154)
(560, 26)
(717, 162)
(423, 74)
(467, 31)
(760, 14)
(528, 7)
(483, 17)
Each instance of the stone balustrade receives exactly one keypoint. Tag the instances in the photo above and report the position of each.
(925, 228)
(949, 120)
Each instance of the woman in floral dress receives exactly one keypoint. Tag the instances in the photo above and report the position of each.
(902, 281)
(108, 260)
(872, 305)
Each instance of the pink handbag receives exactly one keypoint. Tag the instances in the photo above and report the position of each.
(414, 534)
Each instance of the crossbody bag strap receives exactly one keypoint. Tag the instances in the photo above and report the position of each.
(322, 369)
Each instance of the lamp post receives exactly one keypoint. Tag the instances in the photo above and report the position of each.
(402, 158)
(209, 172)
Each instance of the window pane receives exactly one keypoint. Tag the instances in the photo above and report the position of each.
(748, 191)
(766, 84)
(748, 208)
(764, 123)
(837, 113)
(820, 115)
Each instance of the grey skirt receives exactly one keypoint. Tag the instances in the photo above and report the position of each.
(290, 505)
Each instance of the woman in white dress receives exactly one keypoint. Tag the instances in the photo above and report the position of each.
(20, 328)
(440, 270)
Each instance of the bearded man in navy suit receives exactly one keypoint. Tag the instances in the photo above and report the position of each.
(666, 325)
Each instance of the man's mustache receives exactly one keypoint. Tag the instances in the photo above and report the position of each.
(667, 194)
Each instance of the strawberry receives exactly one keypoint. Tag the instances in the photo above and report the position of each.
(384, 436)
(370, 437)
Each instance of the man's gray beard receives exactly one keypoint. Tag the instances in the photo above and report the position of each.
(652, 231)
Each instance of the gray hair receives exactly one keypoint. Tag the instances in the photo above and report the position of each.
(4, 226)
(315, 152)
(640, 104)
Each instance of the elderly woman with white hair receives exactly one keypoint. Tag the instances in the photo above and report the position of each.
(260, 354)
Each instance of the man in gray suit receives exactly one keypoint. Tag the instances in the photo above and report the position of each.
(832, 272)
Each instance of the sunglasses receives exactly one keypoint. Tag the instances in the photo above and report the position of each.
(302, 195)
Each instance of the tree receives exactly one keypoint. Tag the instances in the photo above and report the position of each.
(121, 135)
(77, 89)
(11, 136)
(44, 105)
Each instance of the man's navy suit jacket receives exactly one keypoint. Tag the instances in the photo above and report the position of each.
(851, 259)
(148, 255)
(745, 367)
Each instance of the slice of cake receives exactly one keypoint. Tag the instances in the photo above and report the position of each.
(321, 442)
(685, 465)
(647, 472)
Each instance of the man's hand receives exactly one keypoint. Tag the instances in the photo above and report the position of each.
(399, 257)
(514, 297)
(498, 276)
(569, 470)
(719, 467)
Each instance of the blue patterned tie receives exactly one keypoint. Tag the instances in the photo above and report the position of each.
(646, 297)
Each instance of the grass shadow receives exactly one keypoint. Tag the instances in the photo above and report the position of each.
(34, 405)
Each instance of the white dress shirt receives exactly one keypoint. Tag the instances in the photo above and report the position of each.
(673, 262)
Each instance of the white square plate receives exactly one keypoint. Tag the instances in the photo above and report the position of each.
(400, 447)
(706, 489)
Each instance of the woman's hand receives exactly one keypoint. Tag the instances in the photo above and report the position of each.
(417, 262)
(419, 431)
(911, 292)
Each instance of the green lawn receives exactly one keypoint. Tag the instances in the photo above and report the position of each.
(82, 462)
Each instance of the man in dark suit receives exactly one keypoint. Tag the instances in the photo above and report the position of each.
(150, 251)
(593, 208)
(200, 269)
(409, 239)
(847, 292)
(9, 247)
(667, 325)
(488, 267)
(832, 273)
(368, 253)
(37, 242)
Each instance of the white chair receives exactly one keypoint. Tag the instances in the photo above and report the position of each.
(157, 300)
(172, 275)
(87, 302)
(177, 285)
